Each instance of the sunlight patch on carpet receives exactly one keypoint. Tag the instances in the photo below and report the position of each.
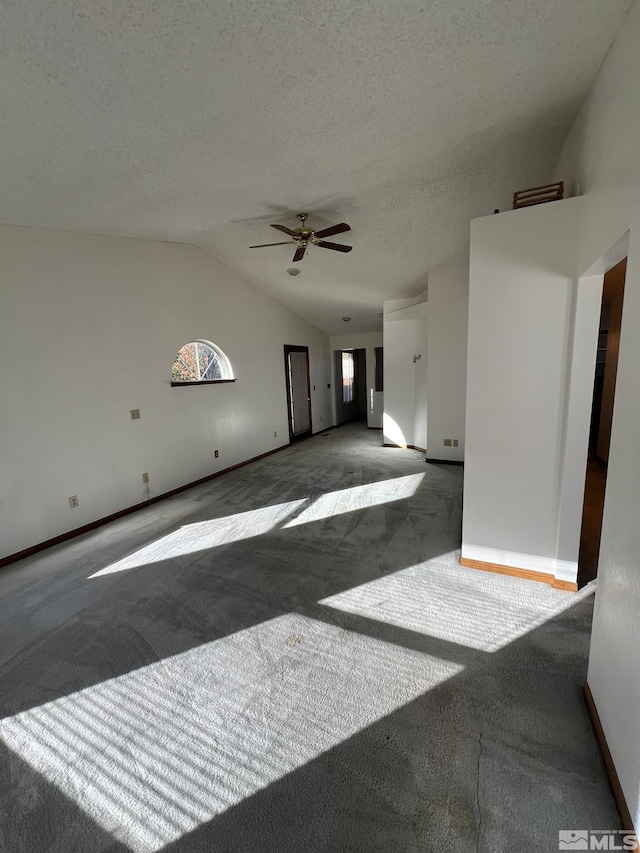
(358, 498)
(215, 532)
(155, 753)
(202, 535)
(464, 606)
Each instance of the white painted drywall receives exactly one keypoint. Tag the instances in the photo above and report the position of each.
(183, 121)
(368, 342)
(422, 403)
(426, 395)
(89, 328)
(446, 362)
(600, 158)
(521, 310)
(399, 380)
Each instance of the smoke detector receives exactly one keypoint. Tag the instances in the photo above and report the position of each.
(346, 319)
(293, 271)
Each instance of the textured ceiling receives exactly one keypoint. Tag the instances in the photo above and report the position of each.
(201, 122)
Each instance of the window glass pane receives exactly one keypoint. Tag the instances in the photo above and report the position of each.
(212, 368)
(347, 377)
(185, 367)
(209, 363)
(199, 362)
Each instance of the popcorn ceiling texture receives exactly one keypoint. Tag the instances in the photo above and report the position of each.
(202, 122)
(291, 659)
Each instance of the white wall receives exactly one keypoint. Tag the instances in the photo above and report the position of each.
(447, 361)
(601, 159)
(89, 328)
(401, 336)
(425, 398)
(422, 402)
(368, 342)
(522, 302)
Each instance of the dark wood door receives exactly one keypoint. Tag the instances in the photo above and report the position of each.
(296, 365)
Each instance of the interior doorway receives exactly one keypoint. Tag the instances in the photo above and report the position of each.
(296, 365)
(350, 366)
(601, 419)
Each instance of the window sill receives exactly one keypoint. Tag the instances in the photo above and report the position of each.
(202, 382)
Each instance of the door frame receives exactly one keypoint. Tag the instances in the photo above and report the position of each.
(288, 348)
(347, 412)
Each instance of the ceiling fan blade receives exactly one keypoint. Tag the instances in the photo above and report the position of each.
(337, 247)
(299, 255)
(285, 230)
(263, 245)
(335, 229)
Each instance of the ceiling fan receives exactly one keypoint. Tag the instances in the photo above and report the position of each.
(304, 236)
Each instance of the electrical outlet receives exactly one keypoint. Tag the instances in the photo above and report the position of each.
(447, 442)
(216, 453)
(135, 414)
(73, 501)
(455, 442)
(275, 434)
(145, 477)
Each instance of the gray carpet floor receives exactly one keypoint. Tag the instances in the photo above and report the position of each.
(289, 658)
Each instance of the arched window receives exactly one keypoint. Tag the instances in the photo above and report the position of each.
(201, 362)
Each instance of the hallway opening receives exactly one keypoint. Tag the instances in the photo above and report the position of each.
(601, 420)
(350, 366)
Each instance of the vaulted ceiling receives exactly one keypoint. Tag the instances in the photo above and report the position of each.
(202, 122)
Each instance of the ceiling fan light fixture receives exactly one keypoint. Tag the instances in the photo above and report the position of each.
(303, 237)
